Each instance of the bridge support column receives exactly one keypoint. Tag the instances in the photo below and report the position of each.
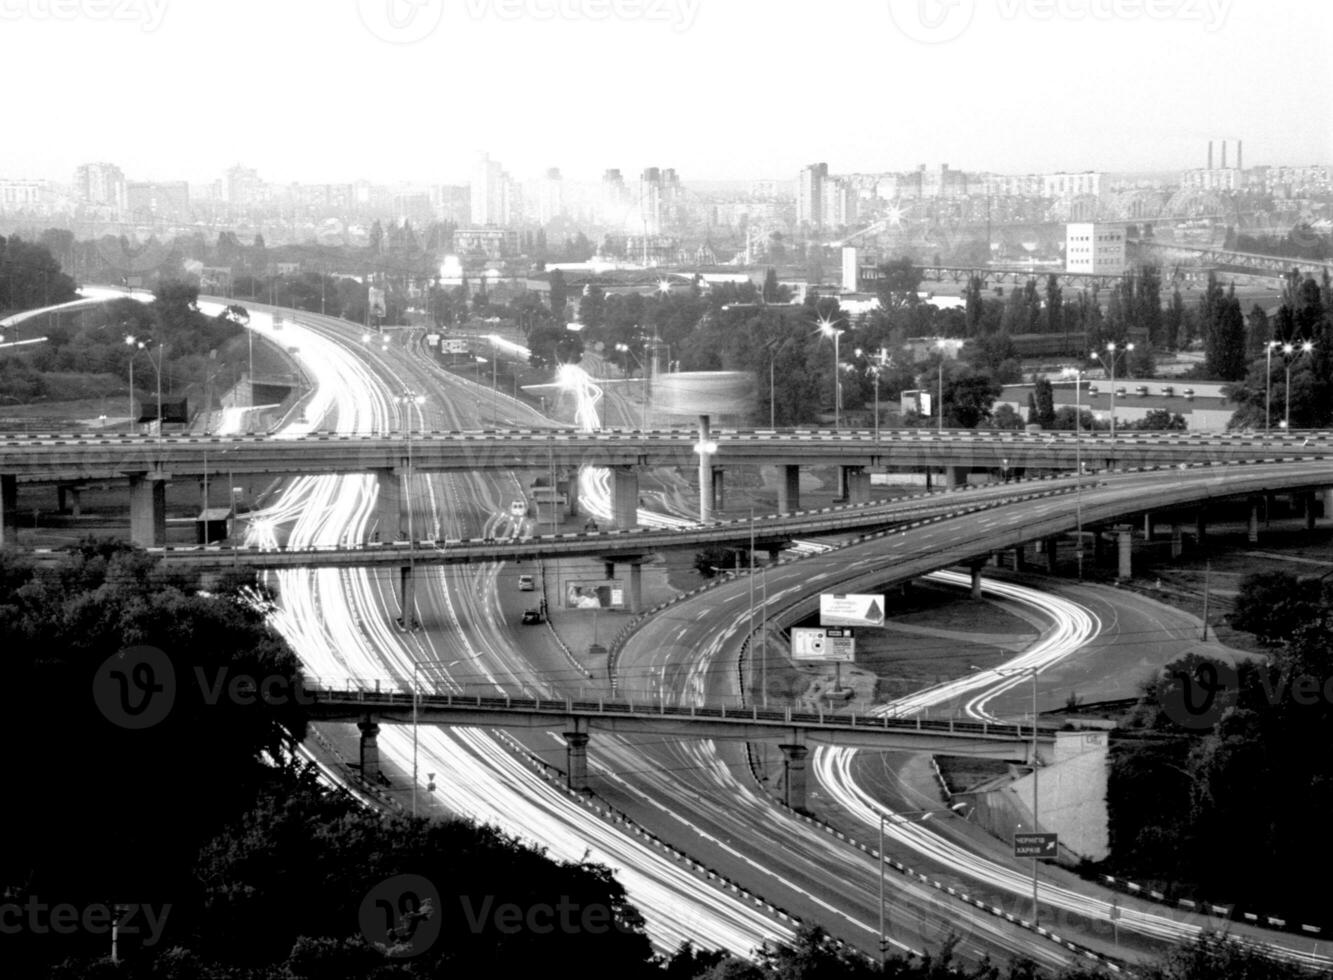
(857, 483)
(9, 508)
(370, 750)
(1308, 507)
(976, 567)
(148, 510)
(1098, 546)
(572, 494)
(576, 761)
(1176, 546)
(1147, 527)
(1328, 504)
(957, 476)
(407, 596)
(789, 489)
(1200, 527)
(67, 499)
(705, 474)
(1052, 548)
(391, 521)
(719, 489)
(793, 775)
(625, 497)
(1253, 534)
(636, 587)
(1125, 540)
(1019, 563)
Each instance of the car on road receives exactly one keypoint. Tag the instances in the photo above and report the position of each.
(526, 583)
(532, 617)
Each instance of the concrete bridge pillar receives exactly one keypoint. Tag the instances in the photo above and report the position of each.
(705, 474)
(370, 749)
(1200, 526)
(1125, 540)
(1176, 546)
(1308, 507)
(636, 587)
(390, 517)
(789, 489)
(1019, 563)
(1147, 527)
(67, 499)
(1328, 504)
(407, 597)
(9, 508)
(576, 761)
(1098, 546)
(148, 510)
(572, 494)
(976, 568)
(1253, 534)
(625, 496)
(793, 775)
(957, 476)
(857, 482)
(719, 489)
(1052, 548)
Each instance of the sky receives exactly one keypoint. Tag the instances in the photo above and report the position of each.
(328, 91)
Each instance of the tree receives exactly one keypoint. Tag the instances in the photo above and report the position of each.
(968, 397)
(1224, 343)
(1173, 322)
(559, 294)
(897, 285)
(1054, 304)
(592, 309)
(1044, 403)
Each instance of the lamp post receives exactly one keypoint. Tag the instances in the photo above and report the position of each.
(1290, 353)
(627, 349)
(881, 359)
(1032, 671)
(829, 328)
(1113, 350)
(941, 344)
(134, 345)
(1268, 384)
(1077, 374)
(883, 817)
(416, 698)
(408, 399)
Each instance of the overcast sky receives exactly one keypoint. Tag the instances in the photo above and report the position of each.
(334, 90)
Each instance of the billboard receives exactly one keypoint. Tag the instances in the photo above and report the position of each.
(603, 594)
(826, 645)
(453, 345)
(851, 610)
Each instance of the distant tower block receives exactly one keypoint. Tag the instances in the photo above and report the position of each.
(1224, 154)
(1210, 154)
(1240, 146)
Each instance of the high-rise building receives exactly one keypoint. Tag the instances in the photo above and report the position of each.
(491, 193)
(838, 204)
(810, 195)
(161, 200)
(650, 201)
(551, 197)
(100, 185)
(241, 187)
(1094, 248)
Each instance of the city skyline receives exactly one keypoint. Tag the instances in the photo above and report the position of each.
(714, 92)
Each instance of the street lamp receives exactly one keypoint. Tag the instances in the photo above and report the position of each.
(1019, 671)
(881, 359)
(941, 344)
(1290, 352)
(1113, 350)
(416, 697)
(883, 817)
(134, 345)
(1077, 375)
(1268, 384)
(408, 399)
(829, 328)
(627, 349)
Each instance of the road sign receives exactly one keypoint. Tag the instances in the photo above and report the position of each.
(851, 610)
(825, 645)
(1036, 845)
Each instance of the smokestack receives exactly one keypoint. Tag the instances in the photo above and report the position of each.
(1224, 154)
(1210, 154)
(1240, 145)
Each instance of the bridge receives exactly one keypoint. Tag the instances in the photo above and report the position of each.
(576, 718)
(1272, 267)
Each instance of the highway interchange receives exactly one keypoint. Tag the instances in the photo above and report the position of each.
(699, 795)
